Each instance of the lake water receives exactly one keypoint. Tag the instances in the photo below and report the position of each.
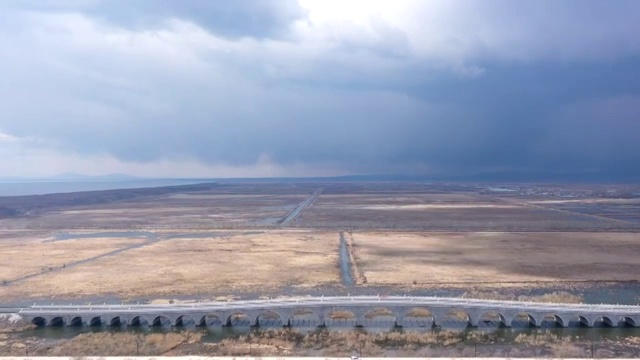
(17, 188)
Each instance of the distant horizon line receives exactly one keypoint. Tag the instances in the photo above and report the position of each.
(503, 177)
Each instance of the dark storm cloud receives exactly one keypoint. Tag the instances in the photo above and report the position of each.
(544, 116)
(555, 92)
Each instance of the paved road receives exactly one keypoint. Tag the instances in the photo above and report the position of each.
(303, 205)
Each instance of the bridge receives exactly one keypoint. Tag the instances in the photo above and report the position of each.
(323, 310)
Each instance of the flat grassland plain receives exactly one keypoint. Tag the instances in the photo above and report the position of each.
(219, 240)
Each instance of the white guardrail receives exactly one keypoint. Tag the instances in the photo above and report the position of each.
(381, 301)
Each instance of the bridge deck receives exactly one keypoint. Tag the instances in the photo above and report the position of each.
(359, 306)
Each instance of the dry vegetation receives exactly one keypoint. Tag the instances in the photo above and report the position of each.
(495, 259)
(553, 297)
(459, 211)
(278, 260)
(121, 344)
(259, 263)
(209, 206)
(20, 256)
(324, 343)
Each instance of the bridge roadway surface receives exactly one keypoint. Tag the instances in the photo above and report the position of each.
(362, 307)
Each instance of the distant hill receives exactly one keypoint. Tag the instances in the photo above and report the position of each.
(74, 176)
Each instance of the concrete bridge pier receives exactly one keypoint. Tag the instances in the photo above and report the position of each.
(285, 315)
(195, 319)
(438, 316)
(361, 316)
(135, 320)
(475, 316)
(562, 321)
(400, 313)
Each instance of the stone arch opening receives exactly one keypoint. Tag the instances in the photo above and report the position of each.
(491, 319)
(238, 319)
(95, 322)
(76, 322)
(341, 317)
(523, 320)
(380, 317)
(552, 320)
(626, 322)
(417, 317)
(602, 321)
(115, 321)
(211, 320)
(577, 321)
(304, 318)
(39, 321)
(138, 321)
(185, 320)
(379, 312)
(453, 318)
(57, 321)
(583, 322)
(270, 318)
(161, 321)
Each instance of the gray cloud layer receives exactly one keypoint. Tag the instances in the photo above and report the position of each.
(460, 87)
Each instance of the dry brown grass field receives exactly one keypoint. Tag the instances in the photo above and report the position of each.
(20, 256)
(179, 211)
(495, 258)
(286, 342)
(229, 239)
(447, 212)
(260, 262)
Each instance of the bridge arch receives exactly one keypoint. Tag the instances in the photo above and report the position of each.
(626, 321)
(138, 321)
(210, 320)
(57, 321)
(379, 311)
(39, 321)
(452, 317)
(76, 321)
(421, 312)
(115, 321)
(340, 316)
(555, 319)
(95, 321)
(574, 320)
(379, 316)
(416, 316)
(161, 321)
(270, 317)
(184, 320)
(524, 319)
(240, 318)
(491, 317)
(304, 318)
(604, 320)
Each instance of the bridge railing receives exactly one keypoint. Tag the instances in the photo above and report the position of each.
(341, 301)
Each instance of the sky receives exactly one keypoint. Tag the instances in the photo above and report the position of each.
(268, 88)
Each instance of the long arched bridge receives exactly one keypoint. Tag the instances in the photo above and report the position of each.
(323, 310)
